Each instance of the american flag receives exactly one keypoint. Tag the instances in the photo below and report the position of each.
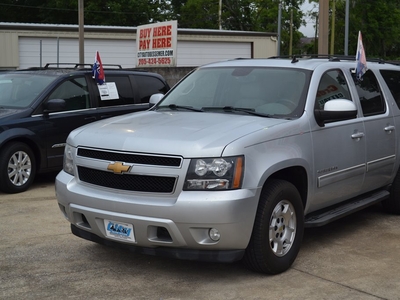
(361, 59)
(97, 70)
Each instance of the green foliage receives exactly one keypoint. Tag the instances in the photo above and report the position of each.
(243, 15)
(99, 12)
(199, 14)
(378, 22)
(377, 19)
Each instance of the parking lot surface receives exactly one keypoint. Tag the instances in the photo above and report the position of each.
(357, 257)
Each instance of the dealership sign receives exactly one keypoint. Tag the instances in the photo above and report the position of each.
(156, 44)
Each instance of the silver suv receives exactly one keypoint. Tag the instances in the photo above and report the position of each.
(237, 159)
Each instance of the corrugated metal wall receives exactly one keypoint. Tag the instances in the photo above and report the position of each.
(66, 50)
(27, 45)
(33, 50)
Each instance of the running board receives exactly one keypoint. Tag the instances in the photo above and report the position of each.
(323, 217)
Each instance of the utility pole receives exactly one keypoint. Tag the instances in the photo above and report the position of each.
(291, 33)
(323, 25)
(81, 35)
(278, 50)
(346, 31)
(219, 14)
(316, 34)
(333, 27)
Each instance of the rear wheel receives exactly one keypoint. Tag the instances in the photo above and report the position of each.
(17, 168)
(278, 229)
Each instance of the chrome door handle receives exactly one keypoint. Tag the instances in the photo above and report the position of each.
(357, 136)
(389, 129)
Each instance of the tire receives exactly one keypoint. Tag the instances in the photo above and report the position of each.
(17, 168)
(392, 204)
(277, 236)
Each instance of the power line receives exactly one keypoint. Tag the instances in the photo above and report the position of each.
(68, 9)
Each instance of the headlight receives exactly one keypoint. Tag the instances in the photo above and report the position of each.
(68, 165)
(215, 173)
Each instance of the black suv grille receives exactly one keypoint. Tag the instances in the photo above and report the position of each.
(131, 158)
(128, 182)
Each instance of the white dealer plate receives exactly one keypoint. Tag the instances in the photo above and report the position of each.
(119, 230)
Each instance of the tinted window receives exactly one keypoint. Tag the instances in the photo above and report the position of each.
(149, 86)
(20, 89)
(392, 79)
(124, 88)
(371, 99)
(333, 85)
(74, 92)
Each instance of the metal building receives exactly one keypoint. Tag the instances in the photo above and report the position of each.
(32, 45)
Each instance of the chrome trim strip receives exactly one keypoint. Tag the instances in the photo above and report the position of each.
(132, 153)
(60, 145)
(340, 175)
(381, 162)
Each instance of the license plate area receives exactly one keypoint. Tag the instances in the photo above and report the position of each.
(119, 231)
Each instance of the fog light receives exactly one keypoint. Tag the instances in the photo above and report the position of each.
(214, 234)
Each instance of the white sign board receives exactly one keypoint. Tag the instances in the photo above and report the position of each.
(108, 91)
(156, 44)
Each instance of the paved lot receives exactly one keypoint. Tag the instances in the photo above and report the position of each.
(355, 258)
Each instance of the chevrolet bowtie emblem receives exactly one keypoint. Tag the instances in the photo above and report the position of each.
(118, 167)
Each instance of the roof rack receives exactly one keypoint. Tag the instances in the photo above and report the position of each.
(295, 58)
(137, 69)
(77, 66)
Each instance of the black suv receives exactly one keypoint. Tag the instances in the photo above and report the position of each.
(40, 106)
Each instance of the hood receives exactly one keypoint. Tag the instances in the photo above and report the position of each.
(188, 134)
(5, 112)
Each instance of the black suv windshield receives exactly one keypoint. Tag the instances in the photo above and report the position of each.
(264, 91)
(20, 89)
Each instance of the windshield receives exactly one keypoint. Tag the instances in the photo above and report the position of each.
(20, 89)
(261, 90)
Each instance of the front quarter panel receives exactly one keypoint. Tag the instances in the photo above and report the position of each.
(272, 150)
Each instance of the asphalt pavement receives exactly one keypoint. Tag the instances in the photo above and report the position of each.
(357, 257)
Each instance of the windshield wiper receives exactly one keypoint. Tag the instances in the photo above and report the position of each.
(177, 107)
(249, 111)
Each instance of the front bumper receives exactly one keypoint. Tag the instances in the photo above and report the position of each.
(222, 256)
(174, 226)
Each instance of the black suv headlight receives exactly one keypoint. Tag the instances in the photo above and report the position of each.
(223, 173)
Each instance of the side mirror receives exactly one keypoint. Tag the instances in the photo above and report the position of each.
(155, 98)
(54, 105)
(335, 110)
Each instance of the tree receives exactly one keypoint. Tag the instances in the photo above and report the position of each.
(268, 22)
(199, 14)
(243, 15)
(100, 12)
(377, 20)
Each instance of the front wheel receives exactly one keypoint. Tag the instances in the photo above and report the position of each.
(278, 229)
(17, 168)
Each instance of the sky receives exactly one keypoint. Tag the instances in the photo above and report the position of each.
(309, 30)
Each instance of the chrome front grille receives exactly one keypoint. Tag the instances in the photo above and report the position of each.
(128, 181)
(133, 158)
